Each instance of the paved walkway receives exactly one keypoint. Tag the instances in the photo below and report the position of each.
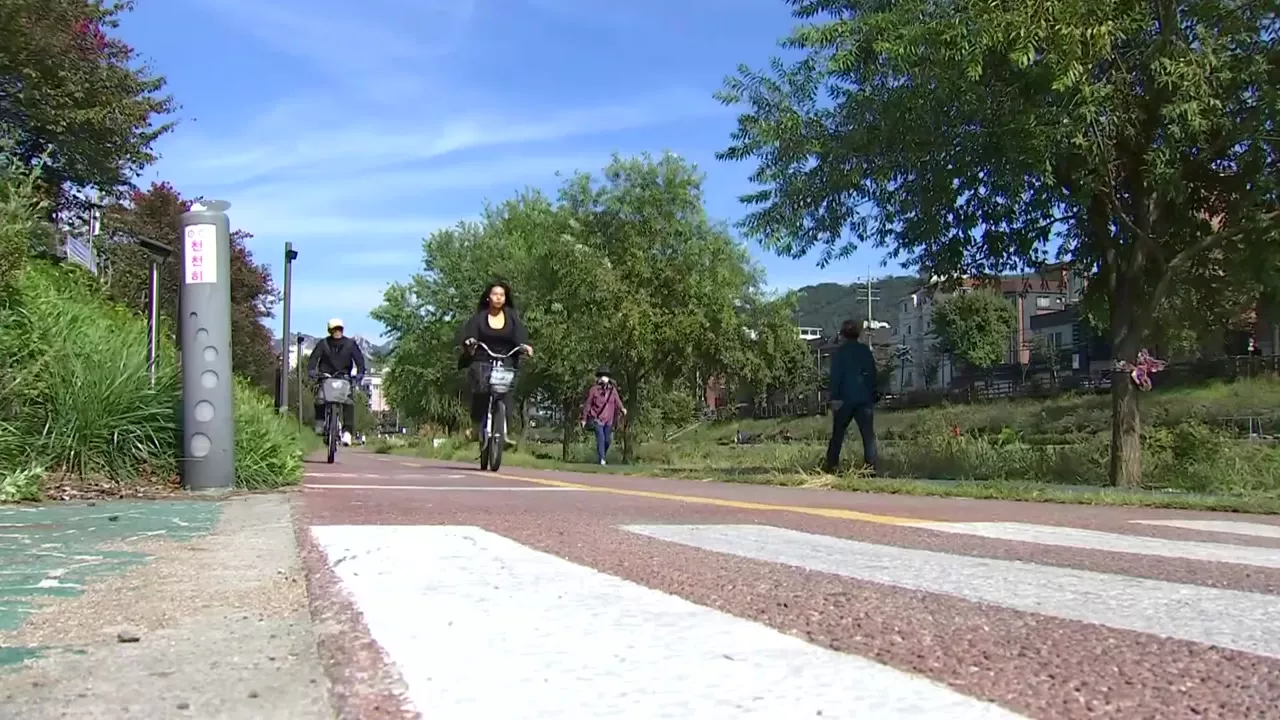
(153, 610)
(53, 550)
(393, 588)
(528, 594)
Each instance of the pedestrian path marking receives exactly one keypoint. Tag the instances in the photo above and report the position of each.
(1213, 616)
(1233, 527)
(460, 608)
(1113, 542)
(449, 488)
(837, 513)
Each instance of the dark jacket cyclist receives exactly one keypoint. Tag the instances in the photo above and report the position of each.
(334, 356)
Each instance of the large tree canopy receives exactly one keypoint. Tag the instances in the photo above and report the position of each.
(623, 269)
(72, 92)
(1133, 138)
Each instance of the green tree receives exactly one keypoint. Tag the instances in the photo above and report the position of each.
(975, 326)
(680, 277)
(156, 215)
(624, 270)
(422, 318)
(771, 357)
(74, 93)
(972, 137)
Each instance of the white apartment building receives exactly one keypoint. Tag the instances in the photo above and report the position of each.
(1049, 292)
(913, 338)
(373, 388)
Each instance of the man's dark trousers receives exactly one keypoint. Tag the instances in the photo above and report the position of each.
(864, 416)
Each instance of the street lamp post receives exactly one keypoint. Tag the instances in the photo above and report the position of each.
(158, 253)
(285, 340)
(299, 356)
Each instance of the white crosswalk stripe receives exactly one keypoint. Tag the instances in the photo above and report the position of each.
(479, 605)
(453, 607)
(1240, 620)
(1232, 527)
(1112, 542)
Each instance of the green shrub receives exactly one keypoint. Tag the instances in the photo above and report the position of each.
(268, 446)
(88, 406)
(21, 485)
(75, 393)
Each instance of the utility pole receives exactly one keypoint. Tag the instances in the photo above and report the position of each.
(872, 294)
(285, 341)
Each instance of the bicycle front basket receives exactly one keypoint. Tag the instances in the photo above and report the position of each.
(501, 378)
(335, 390)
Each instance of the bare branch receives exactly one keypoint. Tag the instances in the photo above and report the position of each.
(1203, 244)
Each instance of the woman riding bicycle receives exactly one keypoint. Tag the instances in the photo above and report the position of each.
(498, 326)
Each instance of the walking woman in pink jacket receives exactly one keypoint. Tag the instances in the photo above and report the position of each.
(601, 409)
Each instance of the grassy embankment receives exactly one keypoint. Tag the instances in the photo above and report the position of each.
(1196, 451)
(77, 409)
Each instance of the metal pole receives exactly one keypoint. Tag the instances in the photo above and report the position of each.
(208, 413)
(153, 317)
(300, 364)
(285, 340)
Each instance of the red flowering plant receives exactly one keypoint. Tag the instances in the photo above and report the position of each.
(1142, 370)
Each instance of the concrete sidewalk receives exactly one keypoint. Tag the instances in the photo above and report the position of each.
(213, 625)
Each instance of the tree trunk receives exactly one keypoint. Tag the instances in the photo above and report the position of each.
(1126, 428)
(633, 416)
(566, 430)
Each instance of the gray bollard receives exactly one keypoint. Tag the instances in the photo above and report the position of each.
(208, 416)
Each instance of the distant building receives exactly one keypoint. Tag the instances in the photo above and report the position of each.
(1052, 290)
(373, 389)
(810, 333)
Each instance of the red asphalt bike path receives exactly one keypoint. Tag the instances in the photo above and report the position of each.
(1046, 656)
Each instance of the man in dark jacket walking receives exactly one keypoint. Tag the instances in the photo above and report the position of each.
(853, 396)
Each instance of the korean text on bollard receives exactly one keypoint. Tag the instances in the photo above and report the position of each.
(208, 417)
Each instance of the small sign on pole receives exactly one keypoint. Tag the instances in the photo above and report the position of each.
(200, 256)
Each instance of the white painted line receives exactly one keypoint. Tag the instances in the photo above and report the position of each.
(1233, 527)
(440, 487)
(1112, 542)
(482, 627)
(1229, 618)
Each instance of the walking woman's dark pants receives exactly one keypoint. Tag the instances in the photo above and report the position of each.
(864, 416)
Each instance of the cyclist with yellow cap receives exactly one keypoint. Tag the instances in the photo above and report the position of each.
(334, 356)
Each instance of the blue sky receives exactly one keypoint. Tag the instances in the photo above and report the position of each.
(355, 129)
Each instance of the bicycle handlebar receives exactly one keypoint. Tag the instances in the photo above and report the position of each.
(498, 356)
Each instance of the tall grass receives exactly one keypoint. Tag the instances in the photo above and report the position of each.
(268, 447)
(88, 407)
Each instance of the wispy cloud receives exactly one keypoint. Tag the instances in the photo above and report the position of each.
(301, 144)
(362, 46)
(367, 126)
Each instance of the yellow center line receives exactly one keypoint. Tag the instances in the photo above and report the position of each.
(721, 502)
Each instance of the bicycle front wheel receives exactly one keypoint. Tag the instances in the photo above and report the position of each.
(331, 424)
(496, 439)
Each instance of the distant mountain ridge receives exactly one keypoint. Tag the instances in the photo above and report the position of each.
(827, 305)
(367, 346)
